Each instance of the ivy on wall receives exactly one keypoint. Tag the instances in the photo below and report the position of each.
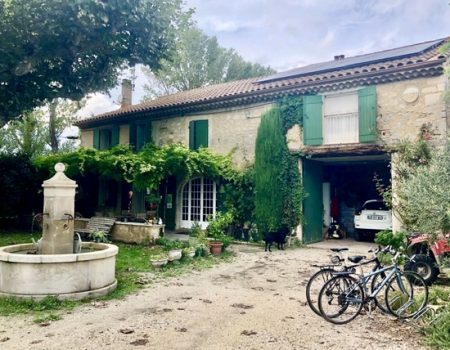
(291, 108)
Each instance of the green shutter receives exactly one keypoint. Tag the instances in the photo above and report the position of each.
(115, 136)
(201, 134)
(198, 134)
(96, 142)
(140, 136)
(191, 135)
(133, 137)
(367, 114)
(148, 132)
(312, 120)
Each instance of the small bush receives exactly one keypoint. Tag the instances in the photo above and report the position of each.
(437, 333)
(396, 240)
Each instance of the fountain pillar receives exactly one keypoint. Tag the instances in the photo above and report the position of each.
(59, 209)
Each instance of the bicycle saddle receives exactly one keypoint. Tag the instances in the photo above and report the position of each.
(338, 250)
(356, 258)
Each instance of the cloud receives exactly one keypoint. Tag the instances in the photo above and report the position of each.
(283, 32)
(97, 104)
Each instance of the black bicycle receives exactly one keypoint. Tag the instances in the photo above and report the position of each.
(326, 272)
(342, 297)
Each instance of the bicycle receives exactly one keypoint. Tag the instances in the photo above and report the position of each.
(342, 298)
(325, 273)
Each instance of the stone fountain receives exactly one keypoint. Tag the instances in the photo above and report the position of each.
(55, 265)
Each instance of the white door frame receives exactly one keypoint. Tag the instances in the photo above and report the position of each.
(191, 200)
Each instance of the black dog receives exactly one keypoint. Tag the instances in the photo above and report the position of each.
(277, 236)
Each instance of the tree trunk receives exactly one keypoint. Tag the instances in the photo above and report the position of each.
(52, 126)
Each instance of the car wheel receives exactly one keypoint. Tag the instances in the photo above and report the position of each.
(425, 266)
(358, 235)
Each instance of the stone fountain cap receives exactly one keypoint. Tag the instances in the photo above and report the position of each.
(59, 179)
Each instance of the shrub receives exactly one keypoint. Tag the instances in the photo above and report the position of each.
(396, 240)
(99, 237)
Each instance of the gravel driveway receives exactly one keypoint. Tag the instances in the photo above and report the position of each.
(256, 302)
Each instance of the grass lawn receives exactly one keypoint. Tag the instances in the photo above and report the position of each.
(133, 271)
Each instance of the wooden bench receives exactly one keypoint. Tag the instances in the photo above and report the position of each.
(95, 224)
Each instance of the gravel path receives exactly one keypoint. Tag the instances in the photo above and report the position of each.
(256, 302)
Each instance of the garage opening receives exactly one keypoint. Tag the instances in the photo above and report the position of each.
(337, 188)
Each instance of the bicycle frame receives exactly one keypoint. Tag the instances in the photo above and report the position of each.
(363, 280)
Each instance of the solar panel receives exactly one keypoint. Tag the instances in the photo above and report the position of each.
(351, 62)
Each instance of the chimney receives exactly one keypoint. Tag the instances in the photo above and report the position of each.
(339, 57)
(127, 89)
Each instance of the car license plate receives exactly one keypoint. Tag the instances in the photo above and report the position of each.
(375, 217)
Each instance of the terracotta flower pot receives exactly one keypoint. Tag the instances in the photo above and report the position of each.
(216, 248)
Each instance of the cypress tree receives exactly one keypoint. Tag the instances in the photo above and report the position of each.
(270, 146)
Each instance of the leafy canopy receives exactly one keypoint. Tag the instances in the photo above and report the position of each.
(423, 197)
(145, 169)
(199, 61)
(67, 49)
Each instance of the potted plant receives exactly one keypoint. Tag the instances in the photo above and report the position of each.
(216, 230)
(189, 252)
(175, 250)
(159, 260)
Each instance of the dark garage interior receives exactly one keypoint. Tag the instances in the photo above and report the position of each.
(351, 183)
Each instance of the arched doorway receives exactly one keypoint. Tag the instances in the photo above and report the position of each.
(198, 202)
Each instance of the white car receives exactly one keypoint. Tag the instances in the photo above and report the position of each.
(373, 216)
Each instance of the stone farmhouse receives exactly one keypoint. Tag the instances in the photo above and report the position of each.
(355, 110)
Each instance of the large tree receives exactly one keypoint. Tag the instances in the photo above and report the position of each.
(198, 61)
(67, 49)
(40, 131)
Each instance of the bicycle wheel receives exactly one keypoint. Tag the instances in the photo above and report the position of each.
(314, 286)
(341, 299)
(406, 294)
(380, 300)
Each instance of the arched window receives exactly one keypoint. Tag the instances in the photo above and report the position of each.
(198, 202)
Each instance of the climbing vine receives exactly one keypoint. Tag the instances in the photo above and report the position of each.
(291, 108)
(145, 169)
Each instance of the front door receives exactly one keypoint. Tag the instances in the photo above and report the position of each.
(313, 203)
(198, 202)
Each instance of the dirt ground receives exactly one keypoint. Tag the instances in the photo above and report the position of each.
(256, 302)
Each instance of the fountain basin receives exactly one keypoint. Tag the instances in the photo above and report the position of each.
(66, 276)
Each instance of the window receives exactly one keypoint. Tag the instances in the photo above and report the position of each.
(198, 202)
(198, 134)
(140, 135)
(107, 137)
(340, 118)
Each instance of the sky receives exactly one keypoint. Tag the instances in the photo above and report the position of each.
(286, 34)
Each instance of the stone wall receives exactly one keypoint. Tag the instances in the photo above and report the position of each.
(230, 129)
(405, 109)
(409, 108)
(131, 232)
(87, 138)
(124, 134)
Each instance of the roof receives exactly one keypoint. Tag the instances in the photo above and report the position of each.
(419, 60)
(357, 61)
